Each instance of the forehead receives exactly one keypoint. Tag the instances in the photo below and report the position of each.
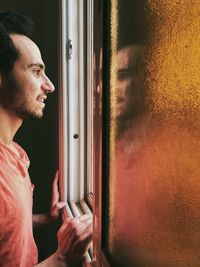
(128, 56)
(28, 50)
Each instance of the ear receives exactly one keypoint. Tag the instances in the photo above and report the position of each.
(1, 80)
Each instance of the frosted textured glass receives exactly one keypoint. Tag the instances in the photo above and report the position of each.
(154, 181)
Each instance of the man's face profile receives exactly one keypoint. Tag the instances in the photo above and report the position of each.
(24, 91)
(129, 96)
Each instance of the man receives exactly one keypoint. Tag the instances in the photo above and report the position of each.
(129, 86)
(24, 88)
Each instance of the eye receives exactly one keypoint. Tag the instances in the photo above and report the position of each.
(37, 72)
(122, 74)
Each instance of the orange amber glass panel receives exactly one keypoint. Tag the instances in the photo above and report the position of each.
(154, 179)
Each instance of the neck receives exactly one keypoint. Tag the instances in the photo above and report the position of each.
(9, 124)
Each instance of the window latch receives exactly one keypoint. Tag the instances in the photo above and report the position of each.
(69, 49)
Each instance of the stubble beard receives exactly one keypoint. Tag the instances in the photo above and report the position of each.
(17, 103)
(14, 100)
(25, 113)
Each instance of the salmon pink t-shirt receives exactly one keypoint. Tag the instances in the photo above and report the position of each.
(17, 245)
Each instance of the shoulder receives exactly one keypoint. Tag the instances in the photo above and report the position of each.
(21, 152)
(14, 155)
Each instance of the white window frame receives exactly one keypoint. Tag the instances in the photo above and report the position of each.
(76, 169)
(71, 101)
(90, 97)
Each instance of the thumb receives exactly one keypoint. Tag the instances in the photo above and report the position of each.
(60, 205)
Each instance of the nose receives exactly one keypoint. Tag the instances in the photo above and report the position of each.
(47, 85)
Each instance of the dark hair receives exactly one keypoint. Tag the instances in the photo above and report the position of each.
(133, 26)
(11, 22)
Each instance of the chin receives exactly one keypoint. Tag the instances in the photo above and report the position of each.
(36, 116)
(30, 115)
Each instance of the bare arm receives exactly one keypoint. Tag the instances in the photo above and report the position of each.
(41, 220)
(53, 260)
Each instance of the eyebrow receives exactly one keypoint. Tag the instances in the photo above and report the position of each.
(130, 69)
(39, 65)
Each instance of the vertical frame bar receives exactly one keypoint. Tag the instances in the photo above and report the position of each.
(98, 47)
(63, 103)
(72, 100)
(90, 95)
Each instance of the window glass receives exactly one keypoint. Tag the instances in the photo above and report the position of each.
(153, 211)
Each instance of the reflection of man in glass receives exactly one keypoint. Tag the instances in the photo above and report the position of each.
(154, 192)
(129, 85)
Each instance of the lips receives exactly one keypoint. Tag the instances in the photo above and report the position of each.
(41, 98)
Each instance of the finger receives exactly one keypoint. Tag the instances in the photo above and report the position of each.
(55, 192)
(61, 205)
(80, 246)
(55, 180)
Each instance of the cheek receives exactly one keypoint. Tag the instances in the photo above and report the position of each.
(122, 87)
(29, 88)
(130, 89)
(27, 81)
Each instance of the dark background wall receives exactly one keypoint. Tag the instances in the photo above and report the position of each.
(40, 138)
